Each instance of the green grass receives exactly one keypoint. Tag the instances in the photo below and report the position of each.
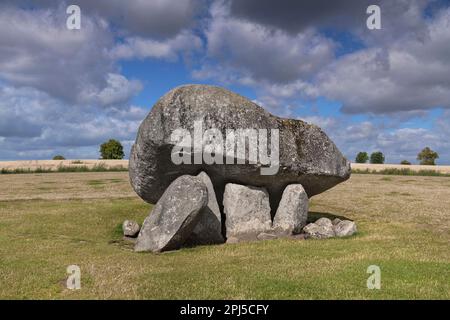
(406, 236)
(95, 182)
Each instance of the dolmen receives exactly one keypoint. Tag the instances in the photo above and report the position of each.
(219, 168)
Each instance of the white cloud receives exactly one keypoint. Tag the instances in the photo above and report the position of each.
(118, 90)
(325, 123)
(35, 125)
(39, 51)
(63, 91)
(169, 49)
(408, 74)
(263, 54)
(397, 144)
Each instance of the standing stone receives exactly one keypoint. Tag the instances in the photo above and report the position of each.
(292, 211)
(247, 211)
(345, 228)
(174, 216)
(130, 228)
(209, 227)
(321, 229)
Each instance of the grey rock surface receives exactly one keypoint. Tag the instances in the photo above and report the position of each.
(321, 229)
(209, 227)
(130, 228)
(336, 221)
(306, 155)
(174, 216)
(324, 222)
(247, 211)
(292, 211)
(345, 228)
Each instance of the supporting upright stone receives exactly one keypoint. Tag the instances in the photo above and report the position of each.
(174, 216)
(292, 211)
(247, 211)
(209, 227)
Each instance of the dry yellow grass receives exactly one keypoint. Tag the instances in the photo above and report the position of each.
(53, 165)
(381, 167)
(60, 186)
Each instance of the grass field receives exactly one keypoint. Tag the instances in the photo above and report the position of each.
(51, 221)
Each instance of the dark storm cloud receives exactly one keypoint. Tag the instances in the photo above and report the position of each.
(258, 53)
(294, 16)
(146, 18)
(154, 18)
(16, 126)
(398, 17)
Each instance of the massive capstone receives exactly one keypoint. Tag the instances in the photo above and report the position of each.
(306, 155)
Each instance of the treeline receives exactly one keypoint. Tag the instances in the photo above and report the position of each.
(426, 157)
(110, 150)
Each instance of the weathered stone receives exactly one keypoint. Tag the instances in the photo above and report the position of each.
(247, 211)
(345, 228)
(306, 155)
(321, 229)
(324, 222)
(292, 211)
(266, 236)
(174, 216)
(209, 227)
(130, 228)
(336, 221)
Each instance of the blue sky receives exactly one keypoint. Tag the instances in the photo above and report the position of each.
(66, 91)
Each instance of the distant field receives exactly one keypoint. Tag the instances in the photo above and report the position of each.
(33, 165)
(50, 221)
(381, 167)
(53, 165)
